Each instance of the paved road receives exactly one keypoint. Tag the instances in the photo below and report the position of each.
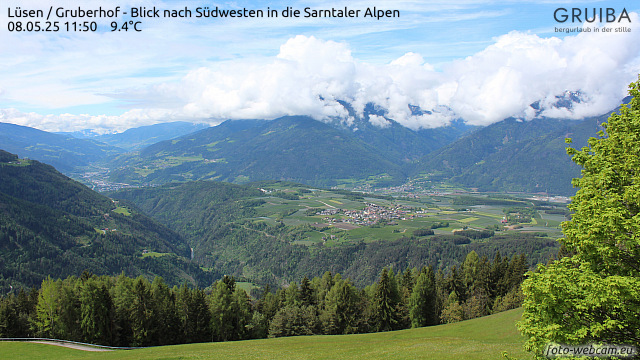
(72, 346)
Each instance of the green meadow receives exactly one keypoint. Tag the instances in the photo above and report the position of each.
(482, 338)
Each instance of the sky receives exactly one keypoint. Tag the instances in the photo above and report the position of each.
(480, 61)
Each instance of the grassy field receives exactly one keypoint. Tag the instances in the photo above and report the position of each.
(122, 210)
(483, 338)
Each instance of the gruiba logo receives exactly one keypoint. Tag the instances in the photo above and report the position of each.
(608, 15)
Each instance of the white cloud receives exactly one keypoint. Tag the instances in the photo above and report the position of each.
(519, 69)
(309, 75)
(379, 121)
(102, 124)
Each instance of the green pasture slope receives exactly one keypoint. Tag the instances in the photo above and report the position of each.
(481, 338)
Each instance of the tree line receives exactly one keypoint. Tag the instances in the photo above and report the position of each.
(123, 311)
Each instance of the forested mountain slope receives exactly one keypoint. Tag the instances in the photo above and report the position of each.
(51, 225)
(513, 155)
(294, 148)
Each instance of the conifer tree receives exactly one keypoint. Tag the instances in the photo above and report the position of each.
(342, 313)
(143, 314)
(123, 298)
(422, 303)
(385, 302)
(96, 309)
(9, 321)
(306, 292)
(222, 308)
(169, 327)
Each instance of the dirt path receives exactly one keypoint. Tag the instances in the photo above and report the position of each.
(72, 346)
(331, 206)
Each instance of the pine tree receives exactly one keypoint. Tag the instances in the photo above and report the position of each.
(242, 315)
(342, 312)
(123, 299)
(222, 308)
(422, 303)
(292, 295)
(498, 273)
(169, 327)
(96, 309)
(9, 320)
(194, 314)
(306, 292)
(385, 302)
(143, 315)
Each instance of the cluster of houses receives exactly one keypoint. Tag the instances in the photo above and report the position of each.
(370, 215)
(329, 212)
(97, 181)
(555, 199)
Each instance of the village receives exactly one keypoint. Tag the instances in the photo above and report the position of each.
(370, 215)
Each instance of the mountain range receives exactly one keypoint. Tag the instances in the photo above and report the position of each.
(295, 148)
(139, 137)
(511, 155)
(64, 152)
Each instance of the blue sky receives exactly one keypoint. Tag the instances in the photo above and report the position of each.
(478, 60)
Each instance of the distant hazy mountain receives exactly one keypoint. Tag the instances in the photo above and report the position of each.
(137, 138)
(63, 152)
(52, 225)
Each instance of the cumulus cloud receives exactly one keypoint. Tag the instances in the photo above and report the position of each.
(519, 69)
(379, 121)
(309, 76)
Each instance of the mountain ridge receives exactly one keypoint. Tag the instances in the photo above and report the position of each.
(295, 148)
(62, 151)
(51, 225)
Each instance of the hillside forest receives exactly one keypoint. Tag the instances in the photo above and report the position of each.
(123, 311)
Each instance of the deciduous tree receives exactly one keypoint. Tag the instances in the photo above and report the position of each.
(594, 295)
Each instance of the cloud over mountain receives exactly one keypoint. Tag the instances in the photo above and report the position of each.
(309, 75)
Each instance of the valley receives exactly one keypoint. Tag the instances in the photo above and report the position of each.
(257, 204)
(354, 154)
(275, 232)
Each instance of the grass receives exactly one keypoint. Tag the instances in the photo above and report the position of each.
(477, 339)
(154, 254)
(122, 210)
(246, 286)
(18, 163)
